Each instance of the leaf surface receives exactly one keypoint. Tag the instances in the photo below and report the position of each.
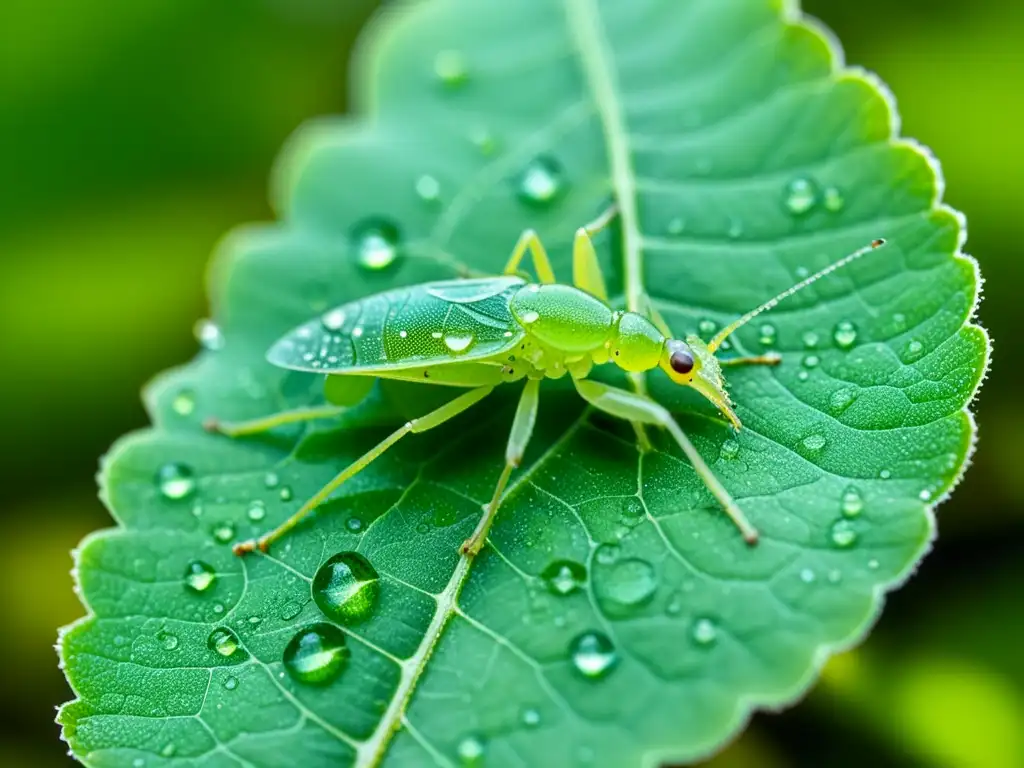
(616, 618)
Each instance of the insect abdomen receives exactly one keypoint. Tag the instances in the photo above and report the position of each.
(563, 317)
(433, 323)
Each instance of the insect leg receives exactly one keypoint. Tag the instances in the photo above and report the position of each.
(586, 271)
(421, 424)
(522, 429)
(267, 423)
(771, 358)
(529, 241)
(635, 407)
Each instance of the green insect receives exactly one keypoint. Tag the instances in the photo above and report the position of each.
(476, 334)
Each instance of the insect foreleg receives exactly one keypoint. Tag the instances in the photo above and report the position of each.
(770, 358)
(529, 241)
(586, 270)
(519, 437)
(433, 419)
(267, 423)
(637, 408)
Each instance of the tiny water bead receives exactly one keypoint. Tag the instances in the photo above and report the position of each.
(176, 481)
(814, 443)
(842, 399)
(224, 532)
(346, 587)
(675, 226)
(375, 244)
(630, 582)
(885, 474)
(563, 577)
(209, 335)
(333, 320)
(290, 610)
(914, 350)
(593, 654)
(801, 195)
(184, 403)
(459, 343)
(167, 640)
(768, 335)
(224, 641)
(852, 502)
(257, 510)
(833, 200)
(450, 68)
(471, 750)
(428, 188)
(704, 632)
(706, 328)
(807, 576)
(354, 524)
(541, 182)
(810, 361)
(606, 554)
(845, 334)
(730, 449)
(811, 339)
(316, 655)
(199, 576)
(530, 717)
(271, 480)
(285, 494)
(231, 683)
(843, 534)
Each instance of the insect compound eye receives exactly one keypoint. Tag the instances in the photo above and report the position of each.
(681, 361)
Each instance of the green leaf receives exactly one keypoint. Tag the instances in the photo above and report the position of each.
(743, 157)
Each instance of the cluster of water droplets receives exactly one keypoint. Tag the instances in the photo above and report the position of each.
(803, 195)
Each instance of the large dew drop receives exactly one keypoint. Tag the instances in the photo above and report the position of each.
(845, 334)
(225, 642)
(450, 68)
(593, 655)
(843, 534)
(375, 243)
(704, 632)
(563, 577)
(800, 196)
(199, 576)
(629, 583)
(346, 588)
(175, 481)
(316, 655)
(541, 182)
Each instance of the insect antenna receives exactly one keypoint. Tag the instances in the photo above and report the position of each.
(723, 334)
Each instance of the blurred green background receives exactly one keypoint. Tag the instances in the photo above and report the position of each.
(134, 134)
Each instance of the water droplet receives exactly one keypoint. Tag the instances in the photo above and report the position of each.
(833, 200)
(209, 335)
(803, 375)
(842, 399)
(768, 335)
(563, 577)
(285, 493)
(450, 68)
(801, 196)
(814, 443)
(184, 403)
(802, 272)
(852, 503)
(231, 683)
(704, 632)
(835, 576)
(607, 554)
(706, 328)
(290, 610)
(199, 576)
(845, 334)
(428, 188)
(316, 655)
(593, 654)
(257, 510)
(138, 762)
(530, 317)
(333, 320)
(167, 640)
(168, 749)
(354, 524)
(811, 339)
(810, 361)
(540, 182)
(885, 474)
(675, 226)
(176, 481)
(483, 140)
(630, 582)
(224, 641)
(873, 564)
(471, 750)
(346, 587)
(271, 480)
(843, 534)
(807, 576)
(925, 495)
(459, 343)
(914, 350)
(900, 321)
(730, 449)
(224, 532)
(375, 243)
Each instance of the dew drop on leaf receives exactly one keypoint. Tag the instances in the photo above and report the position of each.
(199, 576)
(290, 610)
(257, 510)
(375, 244)
(704, 632)
(346, 587)
(316, 655)
(810, 361)
(224, 532)
(845, 334)
(176, 481)
(833, 199)
(814, 443)
(231, 682)
(852, 503)
(768, 335)
(428, 188)
(271, 480)
(885, 474)
(224, 641)
(914, 350)
(471, 750)
(706, 328)
(333, 320)
(810, 339)
(843, 534)
(899, 320)
(807, 576)
(607, 554)
(629, 583)
(184, 403)
(354, 524)
(167, 640)
(450, 68)
(530, 717)
(593, 654)
(563, 577)
(842, 399)
(730, 449)
(541, 182)
(209, 335)
(675, 226)
(800, 196)
(285, 493)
